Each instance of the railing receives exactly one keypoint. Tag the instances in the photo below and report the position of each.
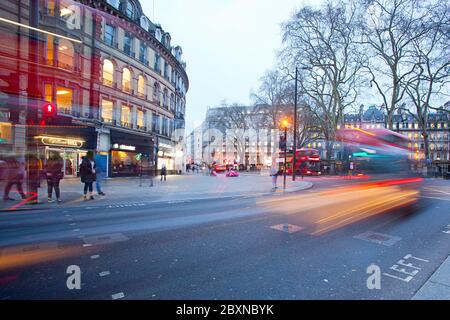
(108, 82)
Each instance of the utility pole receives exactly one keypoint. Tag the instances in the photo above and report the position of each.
(294, 163)
(285, 159)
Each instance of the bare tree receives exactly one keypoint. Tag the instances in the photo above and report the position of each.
(321, 43)
(430, 69)
(389, 29)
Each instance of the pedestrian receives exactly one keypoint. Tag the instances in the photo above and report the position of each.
(274, 173)
(100, 173)
(163, 172)
(54, 174)
(87, 173)
(15, 176)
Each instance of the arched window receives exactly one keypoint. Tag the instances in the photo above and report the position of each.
(65, 54)
(141, 86)
(156, 93)
(126, 80)
(108, 72)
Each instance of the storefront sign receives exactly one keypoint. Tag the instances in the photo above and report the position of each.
(61, 142)
(124, 147)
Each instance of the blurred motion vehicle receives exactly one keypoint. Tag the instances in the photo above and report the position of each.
(307, 162)
(220, 168)
(390, 185)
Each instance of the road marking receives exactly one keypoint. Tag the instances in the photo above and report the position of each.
(286, 227)
(87, 245)
(95, 256)
(105, 238)
(119, 295)
(75, 230)
(401, 268)
(104, 273)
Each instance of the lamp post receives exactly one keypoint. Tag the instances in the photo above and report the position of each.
(294, 161)
(285, 125)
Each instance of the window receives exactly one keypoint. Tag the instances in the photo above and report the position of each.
(165, 127)
(166, 70)
(155, 123)
(140, 119)
(156, 93)
(50, 50)
(110, 35)
(130, 10)
(108, 72)
(157, 63)
(114, 3)
(165, 98)
(65, 54)
(143, 53)
(172, 102)
(48, 96)
(64, 99)
(141, 86)
(128, 44)
(125, 116)
(126, 80)
(51, 7)
(107, 111)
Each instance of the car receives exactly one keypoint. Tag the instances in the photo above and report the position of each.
(220, 168)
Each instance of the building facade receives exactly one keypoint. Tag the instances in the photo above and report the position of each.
(114, 76)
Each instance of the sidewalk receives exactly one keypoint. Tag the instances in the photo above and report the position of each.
(176, 188)
(438, 286)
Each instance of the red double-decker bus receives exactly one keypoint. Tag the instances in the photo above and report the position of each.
(307, 162)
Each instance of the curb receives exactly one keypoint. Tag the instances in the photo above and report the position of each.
(437, 287)
(308, 185)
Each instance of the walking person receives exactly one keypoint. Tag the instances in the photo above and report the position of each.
(54, 174)
(163, 172)
(274, 173)
(15, 175)
(87, 173)
(100, 173)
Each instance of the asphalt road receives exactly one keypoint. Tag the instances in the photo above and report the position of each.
(219, 249)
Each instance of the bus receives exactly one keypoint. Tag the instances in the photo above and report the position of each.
(307, 162)
(376, 151)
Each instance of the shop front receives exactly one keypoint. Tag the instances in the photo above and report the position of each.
(166, 155)
(131, 154)
(71, 147)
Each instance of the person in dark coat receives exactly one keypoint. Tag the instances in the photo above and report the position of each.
(87, 174)
(54, 174)
(163, 172)
(15, 175)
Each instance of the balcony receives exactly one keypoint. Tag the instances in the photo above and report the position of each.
(126, 124)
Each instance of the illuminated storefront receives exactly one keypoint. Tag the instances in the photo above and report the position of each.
(130, 154)
(71, 143)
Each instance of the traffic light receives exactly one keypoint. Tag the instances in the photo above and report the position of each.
(49, 113)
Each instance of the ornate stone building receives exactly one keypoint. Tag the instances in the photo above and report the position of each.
(115, 77)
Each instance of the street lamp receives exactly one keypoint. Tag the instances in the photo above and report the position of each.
(285, 123)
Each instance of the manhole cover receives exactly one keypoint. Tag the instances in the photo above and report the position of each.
(288, 228)
(378, 238)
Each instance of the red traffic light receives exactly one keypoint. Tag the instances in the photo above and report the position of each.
(49, 109)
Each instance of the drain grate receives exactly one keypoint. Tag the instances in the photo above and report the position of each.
(288, 228)
(379, 238)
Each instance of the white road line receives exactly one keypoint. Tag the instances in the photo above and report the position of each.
(95, 256)
(104, 273)
(75, 230)
(87, 245)
(119, 295)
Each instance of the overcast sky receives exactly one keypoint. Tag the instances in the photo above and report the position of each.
(227, 44)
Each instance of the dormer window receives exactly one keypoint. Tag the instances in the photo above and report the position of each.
(130, 10)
